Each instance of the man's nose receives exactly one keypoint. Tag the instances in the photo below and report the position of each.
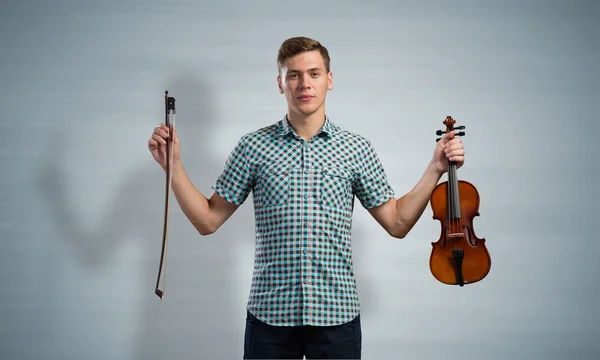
(305, 83)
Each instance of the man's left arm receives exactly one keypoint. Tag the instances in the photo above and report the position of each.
(399, 216)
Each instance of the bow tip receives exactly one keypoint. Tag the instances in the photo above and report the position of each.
(159, 293)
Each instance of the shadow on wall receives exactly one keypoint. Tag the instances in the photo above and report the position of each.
(199, 320)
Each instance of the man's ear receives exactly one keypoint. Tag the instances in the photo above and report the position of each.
(279, 84)
(330, 81)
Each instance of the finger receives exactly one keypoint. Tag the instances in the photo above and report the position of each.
(454, 144)
(455, 147)
(168, 131)
(153, 145)
(450, 148)
(161, 129)
(458, 159)
(446, 139)
(163, 132)
(165, 128)
(457, 152)
(158, 139)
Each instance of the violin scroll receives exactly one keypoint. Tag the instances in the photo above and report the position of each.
(449, 122)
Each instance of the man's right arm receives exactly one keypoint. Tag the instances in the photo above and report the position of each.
(207, 215)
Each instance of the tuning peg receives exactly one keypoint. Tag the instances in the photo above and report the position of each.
(460, 133)
(442, 132)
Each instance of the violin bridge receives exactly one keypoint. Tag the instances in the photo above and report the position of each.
(455, 235)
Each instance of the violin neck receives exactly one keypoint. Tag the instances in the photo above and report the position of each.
(453, 197)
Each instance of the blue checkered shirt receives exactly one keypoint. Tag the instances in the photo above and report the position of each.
(303, 194)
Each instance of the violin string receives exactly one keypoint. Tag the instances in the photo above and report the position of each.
(456, 204)
(453, 184)
(453, 203)
(448, 203)
(451, 200)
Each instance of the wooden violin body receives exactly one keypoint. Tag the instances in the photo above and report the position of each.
(459, 257)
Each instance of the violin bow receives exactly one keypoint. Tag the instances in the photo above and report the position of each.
(169, 108)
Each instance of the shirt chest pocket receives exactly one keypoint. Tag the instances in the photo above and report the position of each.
(336, 187)
(273, 186)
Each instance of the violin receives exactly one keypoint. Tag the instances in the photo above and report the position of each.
(459, 257)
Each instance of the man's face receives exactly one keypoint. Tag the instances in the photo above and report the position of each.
(305, 81)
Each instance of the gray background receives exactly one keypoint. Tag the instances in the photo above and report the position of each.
(81, 88)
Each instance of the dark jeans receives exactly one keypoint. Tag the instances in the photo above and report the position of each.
(263, 341)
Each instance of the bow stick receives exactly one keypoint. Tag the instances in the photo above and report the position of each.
(169, 107)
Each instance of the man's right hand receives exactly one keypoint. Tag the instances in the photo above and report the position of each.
(158, 145)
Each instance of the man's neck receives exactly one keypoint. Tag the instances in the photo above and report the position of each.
(306, 126)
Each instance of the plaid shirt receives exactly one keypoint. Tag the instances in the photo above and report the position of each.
(303, 194)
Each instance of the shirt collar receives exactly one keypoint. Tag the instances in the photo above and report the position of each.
(328, 128)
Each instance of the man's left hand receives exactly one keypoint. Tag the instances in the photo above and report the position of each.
(448, 148)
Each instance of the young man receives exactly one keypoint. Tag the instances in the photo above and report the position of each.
(304, 172)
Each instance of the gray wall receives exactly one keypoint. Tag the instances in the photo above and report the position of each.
(82, 87)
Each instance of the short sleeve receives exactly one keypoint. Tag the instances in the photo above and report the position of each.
(371, 185)
(236, 181)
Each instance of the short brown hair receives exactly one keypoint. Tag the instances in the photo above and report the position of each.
(297, 45)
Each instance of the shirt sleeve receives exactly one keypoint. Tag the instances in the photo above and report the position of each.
(236, 181)
(371, 185)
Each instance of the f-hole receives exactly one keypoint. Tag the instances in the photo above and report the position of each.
(468, 235)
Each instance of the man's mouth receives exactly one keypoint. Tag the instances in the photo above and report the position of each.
(305, 97)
